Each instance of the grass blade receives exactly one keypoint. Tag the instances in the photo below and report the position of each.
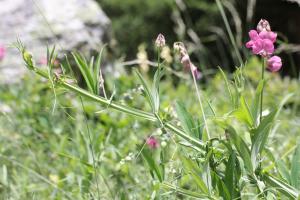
(295, 169)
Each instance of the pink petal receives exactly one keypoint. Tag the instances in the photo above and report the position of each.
(253, 35)
(249, 44)
(257, 46)
(268, 46)
(268, 35)
(272, 36)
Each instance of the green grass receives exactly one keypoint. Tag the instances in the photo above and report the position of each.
(47, 155)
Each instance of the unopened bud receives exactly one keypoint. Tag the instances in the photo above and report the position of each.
(178, 46)
(160, 41)
(263, 25)
(28, 59)
(186, 62)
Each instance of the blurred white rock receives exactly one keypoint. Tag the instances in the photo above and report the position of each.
(68, 24)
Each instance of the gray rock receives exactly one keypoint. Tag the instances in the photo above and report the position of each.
(68, 24)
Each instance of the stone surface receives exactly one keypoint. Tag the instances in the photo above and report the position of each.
(68, 24)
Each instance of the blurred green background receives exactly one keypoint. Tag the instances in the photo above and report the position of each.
(47, 155)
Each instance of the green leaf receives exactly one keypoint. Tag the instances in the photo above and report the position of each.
(241, 147)
(148, 93)
(260, 136)
(256, 101)
(98, 69)
(283, 170)
(151, 163)
(185, 192)
(243, 113)
(281, 186)
(295, 168)
(222, 187)
(155, 87)
(206, 176)
(84, 69)
(195, 171)
(231, 176)
(186, 120)
(227, 85)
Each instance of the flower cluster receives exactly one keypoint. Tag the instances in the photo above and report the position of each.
(185, 59)
(2, 52)
(262, 43)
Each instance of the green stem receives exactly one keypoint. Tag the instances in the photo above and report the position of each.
(122, 108)
(262, 91)
(200, 103)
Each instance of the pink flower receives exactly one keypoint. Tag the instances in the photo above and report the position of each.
(268, 35)
(274, 63)
(263, 47)
(152, 142)
(261, 43)
(2, 52)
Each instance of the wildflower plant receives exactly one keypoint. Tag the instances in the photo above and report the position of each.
(222, 156)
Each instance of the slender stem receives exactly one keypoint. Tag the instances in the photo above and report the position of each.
(262, 91)
(200, 103)
(92, 150)
(122, 108)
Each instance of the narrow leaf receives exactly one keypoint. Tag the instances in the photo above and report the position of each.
(97, 74)
(243, 113)
(195, 171)
(295, 168)
(84, 69)
(241, 147)
(151, 163)
(186, 120)
(283, 171)
(149, 96)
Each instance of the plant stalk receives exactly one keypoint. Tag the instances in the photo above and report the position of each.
(262, 91)
(122, 108)
(200, 103)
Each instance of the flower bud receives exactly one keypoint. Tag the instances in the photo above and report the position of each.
(196, 72)
(186, 62)
(274, 63)
(2, 52)
(160, 41)
(263, 25)
(152, 142)
(28, 59)
(179, 47)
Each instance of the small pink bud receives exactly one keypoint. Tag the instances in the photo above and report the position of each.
(2, 52)
(186, 62)
(152, 142)
(274, 63)
(263, 25)
(196, 72)
(160, 41)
